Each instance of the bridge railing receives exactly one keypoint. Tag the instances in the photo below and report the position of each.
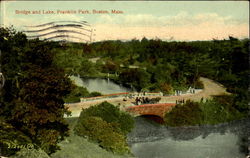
(132, 95)
(115, 95)
(151, 105)
(125, 94)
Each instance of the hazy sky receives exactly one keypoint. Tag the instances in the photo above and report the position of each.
(189, 20)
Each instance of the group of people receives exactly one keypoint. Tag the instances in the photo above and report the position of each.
(190, 90)
(141, 100)
(180, 101)
(177, 92)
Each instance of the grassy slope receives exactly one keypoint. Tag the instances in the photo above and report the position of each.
(78, 147)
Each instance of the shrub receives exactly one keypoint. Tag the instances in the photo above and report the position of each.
(76, 94)
(95, 94)
(30, 153)
(106, 125)
(220, 109)
(103, 133)
(110, 114)
(188, 114)
(217, 110)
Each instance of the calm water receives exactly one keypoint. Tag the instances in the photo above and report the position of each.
(149, 140)
(104, 86)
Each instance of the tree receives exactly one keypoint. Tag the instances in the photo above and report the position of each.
(32, 98)
(138, 78)
(110, 67)
(166, 88)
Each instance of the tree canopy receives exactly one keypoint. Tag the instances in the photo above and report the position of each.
(32, 97)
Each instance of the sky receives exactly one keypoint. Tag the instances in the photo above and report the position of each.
(166, 20)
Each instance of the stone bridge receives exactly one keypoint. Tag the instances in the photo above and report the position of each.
(211, 88)
(151, 109)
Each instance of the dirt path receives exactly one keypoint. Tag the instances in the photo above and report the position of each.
(210, 88)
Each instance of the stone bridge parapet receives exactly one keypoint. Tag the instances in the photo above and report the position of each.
(124, 94)
(151, 109)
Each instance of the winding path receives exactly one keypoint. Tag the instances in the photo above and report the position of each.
(210, 88)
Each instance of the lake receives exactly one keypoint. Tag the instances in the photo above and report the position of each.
(104, 86)
(151, 140)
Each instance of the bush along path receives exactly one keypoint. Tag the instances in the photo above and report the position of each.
(219, 109)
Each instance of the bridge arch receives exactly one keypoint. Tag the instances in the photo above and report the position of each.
(154, 118)
(151, 109)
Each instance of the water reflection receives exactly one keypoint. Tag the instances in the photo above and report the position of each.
(151, 140)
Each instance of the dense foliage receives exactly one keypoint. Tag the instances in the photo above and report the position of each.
(177, 64)
(188, 114)
(155, 65)
(30, 153)
(11, 139)
(32, 97)
(76, 94)
(71, 59)
(221, 109)
(104, 133)
(217, 110)
(107, 125)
